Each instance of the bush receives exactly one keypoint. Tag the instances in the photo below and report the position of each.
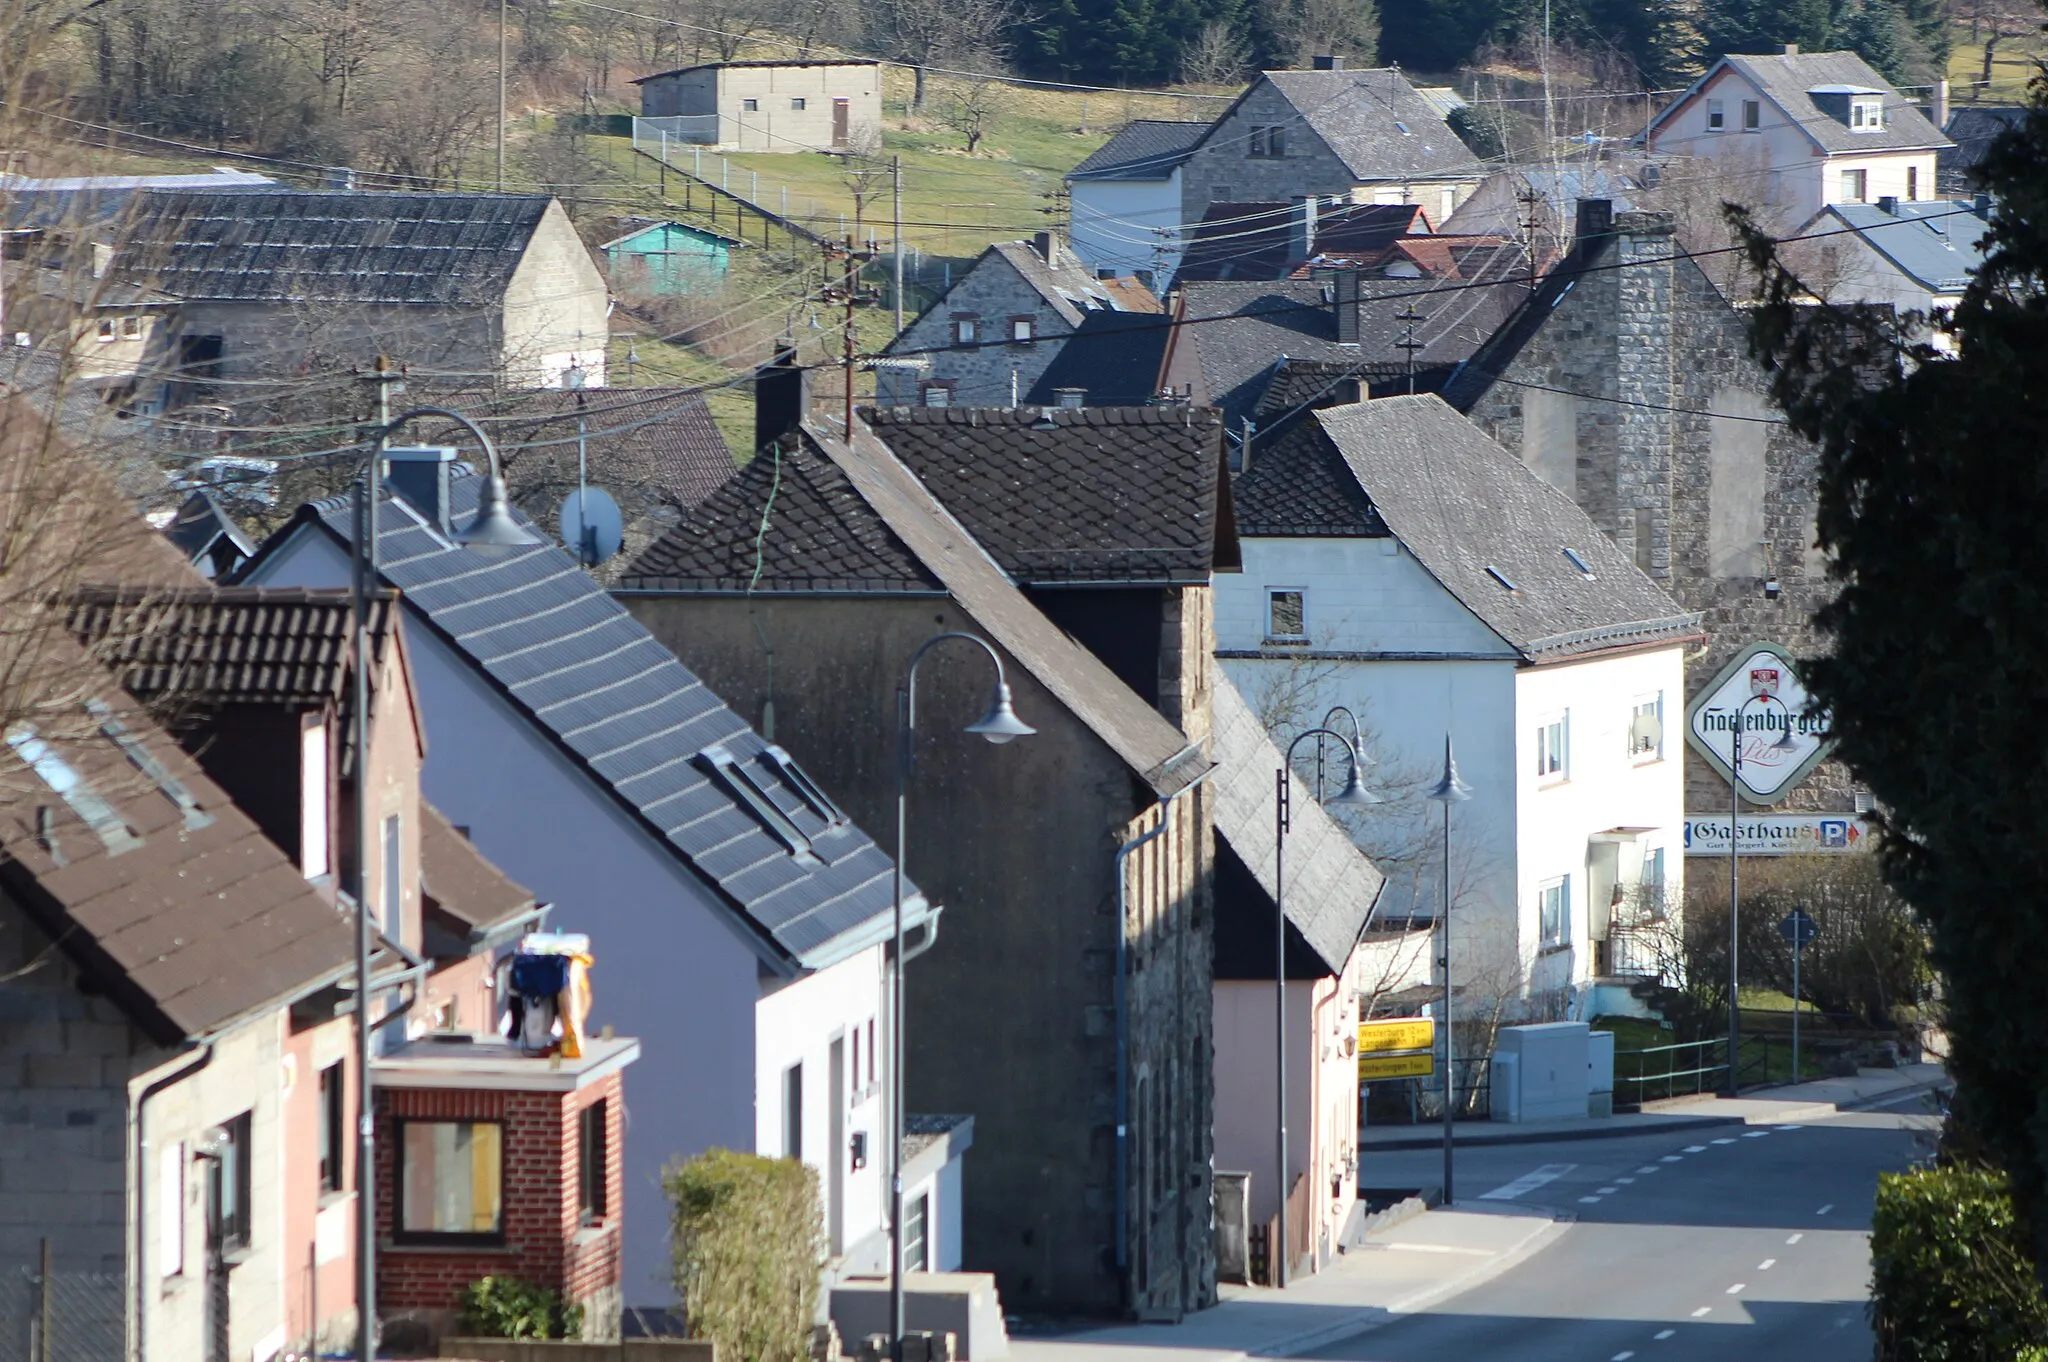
(746, 1235)
(1952, 1277)
(505, 1307)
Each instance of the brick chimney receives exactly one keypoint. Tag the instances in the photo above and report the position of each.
(420, 478)
(1347, 306)
(1301, 228)
(782, 395)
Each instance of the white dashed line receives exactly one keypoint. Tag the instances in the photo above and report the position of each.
(1736, 1289)
(1795, 1239)
(1766, 1265)
(1695, 1149)
(1788, 1127)
(1663, 1334)
(1703, 1312)
(1724, 1141)
(1825, 1209)
(1755, 1134)
(1646, 1168)
(1623, 1356)
(1626, 1182)
(1609, 1191)
(1672, 1158)
(1590, 1200)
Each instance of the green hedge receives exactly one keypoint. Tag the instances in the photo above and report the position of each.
(746, 1235)
(1952, 1278)
(505, 1307)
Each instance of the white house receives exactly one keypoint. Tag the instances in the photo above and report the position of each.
(783, 106)
(743, 917)
(1914, 257)
(1399, 562)
(1124, 200)
(1804, 130)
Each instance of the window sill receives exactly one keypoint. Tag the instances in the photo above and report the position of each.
(1285, 641)
(411, 1246)
(328, 1199)
(1559, 949)
(1552, 782)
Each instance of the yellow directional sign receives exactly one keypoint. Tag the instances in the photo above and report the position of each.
(1401, 1033)
(1372, 1067)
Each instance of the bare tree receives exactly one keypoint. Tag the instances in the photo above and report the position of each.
(1308, 28)
(866, 173)
(1217, 56)
(1994, 22)
(959, 33)
(970, 108)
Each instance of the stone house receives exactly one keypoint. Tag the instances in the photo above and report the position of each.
(989, 337)
(1625, 381)
(768, 105)
(1124, 199)
(1804, 129)
(804, 587)
(1368, 136)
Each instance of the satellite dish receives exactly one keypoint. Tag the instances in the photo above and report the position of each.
(591, 525)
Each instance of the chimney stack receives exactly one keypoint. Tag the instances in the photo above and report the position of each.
(420, 477)
(1044, 244)
(1347, 307)
(1596, 218)
(1791, 49)
(782, 395)
(1332, 62)
(1888, 204)
(1941, 104)
(1301, 229)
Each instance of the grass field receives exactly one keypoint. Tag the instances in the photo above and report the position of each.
(2015, 61)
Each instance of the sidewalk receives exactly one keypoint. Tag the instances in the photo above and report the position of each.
(1762, 1106)
(1399, 1270)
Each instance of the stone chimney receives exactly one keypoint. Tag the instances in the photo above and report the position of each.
(1645, 294)
(1333, 62)
(782, 395)
(1301, 228)
(1346, 303)
(420, 478)
(1595, 219)
(1047, 247)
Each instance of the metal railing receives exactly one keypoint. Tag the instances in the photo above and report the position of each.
(796, 212)
(1688, 1068)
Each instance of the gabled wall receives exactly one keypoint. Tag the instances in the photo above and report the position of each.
(1128, 225)
(554, 310)
(995, 293)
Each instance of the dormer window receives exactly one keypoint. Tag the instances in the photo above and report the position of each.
(1866, 114)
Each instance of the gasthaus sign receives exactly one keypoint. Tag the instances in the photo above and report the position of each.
(1758, 699)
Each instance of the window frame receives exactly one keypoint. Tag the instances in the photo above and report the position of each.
(945, 388)
(237, 1228)
(1554, 934)
(1912, 184)
(1652, 704)
(1023, 330)
(1560, 723)
(106, 330)
(917, 1233)
(1717, 115)
(400, 1234)
(1866, 114)
(793, 1112)
(966, 328)
(1752, 115)
(1860, 178)
(593, 1175)
(333, 1146)
(170, 1230)
(1272, 622)
(797, 104)
(750, 106)
(131, 328)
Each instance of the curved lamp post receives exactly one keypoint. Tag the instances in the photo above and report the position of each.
(491, 531)
(999, 725)
(1783, 744)
(1353, 795)
(1448, 790)
(1357, 742)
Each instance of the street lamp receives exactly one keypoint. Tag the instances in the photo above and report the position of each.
(1353, 795)
(1448, 790)
(492, 531)
(1783, 744)
(999, 725)
(1357, 742)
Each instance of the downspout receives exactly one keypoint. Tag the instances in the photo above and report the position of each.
(142, 1217)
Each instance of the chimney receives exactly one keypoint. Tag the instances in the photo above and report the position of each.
(1047, 248)
(1596, 218)
(1791, 49)
(102, 259)
(1888, 204)
(1332, 62)
(1301, 229)
(1347, 307)
(782, 395)
(337, 177)
(420, 478)
(1941, 104)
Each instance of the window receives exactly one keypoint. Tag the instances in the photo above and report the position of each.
(1752, 115)
(1550, 750)
(106, 329)
(937, 394)
(231, 1204)
(874, 1064)
(393, 893)
(1285, 615)
(451, 1180)
(1554, 911)
(966, 330)
(917, 1235)
(750, 106)
(1866, 115)
(131, 328)
(170, 1241)
(1267, 142)
(1653, 885)
(1021, 331)
(592, 1161)
(1646, 729)
(797, 104)
(333, 1126)
(793, 1111)
(1912, 184)
(1219, 193)
(313, 795)
(1855, 185)
(1716, 118)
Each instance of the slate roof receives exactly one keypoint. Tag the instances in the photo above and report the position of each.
(1256, 240)
(640, 724)
(200, 920)
(1935, 244)
(1070, 287)
(355, 246)
(1788, 81)
(1114, 356)
(1331, 885)
(200, 525)
(1143, 149)
(662, 438)
(1972, 128)
(1376, 123)
(76, 199)
(1497, 206)
(1110, 494)
(1468, 510)
(1299, 486)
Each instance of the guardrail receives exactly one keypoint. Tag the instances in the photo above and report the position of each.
(1688, 1068)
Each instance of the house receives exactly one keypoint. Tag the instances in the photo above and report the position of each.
(111, 333)
(202, 530)
(1625, 380)
(1368, 136)
(1806, 129)
(594, 767)
(668, 259)
(1438, 587)
(989, 337)
(803, 589)
(767, 105)
(1971, 130)
(269, 283)
(1124, 199)
(1269, 240)
(1910, 257)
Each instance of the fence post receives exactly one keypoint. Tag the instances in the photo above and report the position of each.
(43, 1310)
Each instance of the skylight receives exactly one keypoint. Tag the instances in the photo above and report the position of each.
(1579, 563)
(739, 782)
(65, 782)
(1500, 577)
(145, 761)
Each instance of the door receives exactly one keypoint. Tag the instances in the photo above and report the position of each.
(840, 1162)
(842, 122)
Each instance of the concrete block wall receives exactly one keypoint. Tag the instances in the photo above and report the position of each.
(554, 307)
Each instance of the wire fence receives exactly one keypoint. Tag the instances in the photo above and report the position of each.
(62, 1317)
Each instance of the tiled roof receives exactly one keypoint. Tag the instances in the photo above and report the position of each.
(359, 247)
(1113, 356)
(1377, 124)
(1299, 487)
(1456, 257)
(1496, 535)
(663, 438)
(1256, 240)
(1933, 244)
(459, 883)
(641, 725)
(1143, 149)
(1972, 128)
(1789, 80)
(199, 920)
(1110, 494)
(789, 521)
(1069, 287)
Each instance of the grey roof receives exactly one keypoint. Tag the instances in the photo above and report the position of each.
(1143, 149)
(621, 707)
(1113, 356)
(1376, 124)
(344, 246)
(1495, 535)
(1933, 244)
(1070, 287)
(1250, 241)
(77, 199)
(1972, 128)
(1331, 884)
(1299, 487)
(1560, 191)
(1790, 80)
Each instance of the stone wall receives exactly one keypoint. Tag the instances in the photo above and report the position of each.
(993, 293)
(1223, 169)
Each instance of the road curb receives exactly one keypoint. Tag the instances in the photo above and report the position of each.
(1551, 1136)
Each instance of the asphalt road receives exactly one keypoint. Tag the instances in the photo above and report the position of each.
(1740, 1243)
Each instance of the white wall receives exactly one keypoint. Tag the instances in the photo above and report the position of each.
(1115, 225)
(1245, 1110)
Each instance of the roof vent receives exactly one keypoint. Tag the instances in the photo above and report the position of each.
(806, 788)
(1500, 577)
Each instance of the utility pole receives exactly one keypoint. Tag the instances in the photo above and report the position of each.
(896, 215)
(849, 292)
(1409, 316)
(501, 96)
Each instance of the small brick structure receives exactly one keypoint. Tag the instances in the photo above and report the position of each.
(548, 1232)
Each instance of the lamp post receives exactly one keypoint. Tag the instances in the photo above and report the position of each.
(492, 531)
(1352, 795)
(1448, 790)
(1357, 743)
(1783, 744)
(998, 726)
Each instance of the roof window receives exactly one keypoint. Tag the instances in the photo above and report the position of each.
(73, 788)
(1500, 577)
(146, 762)
(1579, 563)
(807, 789)
(739, 782)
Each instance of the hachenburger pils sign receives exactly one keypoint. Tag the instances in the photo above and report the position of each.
(1757, 699)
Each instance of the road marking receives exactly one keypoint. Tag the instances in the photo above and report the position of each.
(1724, 1141)
(1663, 1334)
(1788, 1127)
(1795, 1239)
(1434, 1248)
(1623, 1356)
(1703, 1312)
(1609, 1191)
(1528, 1182)
(1736, 1289)
(1672, 1158)
(1766, 1265)
(1825, 1209)
(1755, 1134)
(1647, 1168)
(1626, 1182)
(1590, 1200)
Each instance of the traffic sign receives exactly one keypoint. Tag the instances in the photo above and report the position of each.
(1399, 1033)
(1395, 1066)
(1798, 928)
(1759, 694)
